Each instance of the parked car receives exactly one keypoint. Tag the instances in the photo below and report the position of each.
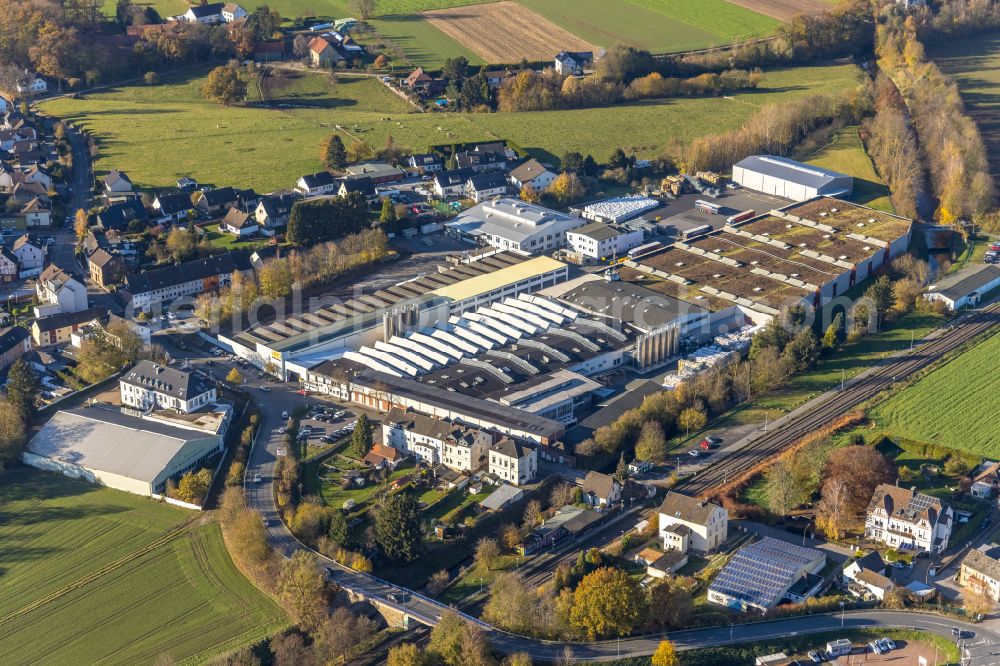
(888, 644)
(256, 478)
(875, 647)
(265, 389)
(814, 656)
(705, 445)
(694, 453)
(284, 415)
(282, 430)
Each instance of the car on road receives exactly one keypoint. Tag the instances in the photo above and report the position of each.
(265, 389)
(282, 430)
(398, 597)
(209, 362)
(284, 415)
(260, 375)
(256, 478)
(265, 522)
(330, 572)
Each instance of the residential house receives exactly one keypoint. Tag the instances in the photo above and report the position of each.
(568, 521)
(426, 162)
(465, 448)
(418, 81)
(121, 216)
(379, 172)
(482, 161)
(451, 183)
(24, 192)
(57, 287)
(55, 329)
(172, 207)
(660, 564)
(151, 386)
(208, 14)
(239, 223)
(34, 174)
(485, 186)
(417, 434)
(908, 520)
(316, 184)
(187, 184)
(15, 341)
(497, 77)
(105, 268)
(30, 253)
(10, 269)
(708, 523)
(383, 456)
(232, 12)
(362, 184)
(37, 213)
(980, 570)
(600, 489)
(32, 85)
(865, 576)
(269, 51)
(531, 172)
(247, 200)
(573, 63)
(158, 286)
(273, 211)
(117, 182)
(513, 461)
(322, 53)
(216, 202)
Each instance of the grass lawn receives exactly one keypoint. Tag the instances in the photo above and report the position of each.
(159, 133)
(93, 575)
(452, 505)
(850, 358)
(973, 253)
(476, 577)
(954, 406)
(974, 62)
(335, 496)
(847, 155)
(422, 43)
(227, 241)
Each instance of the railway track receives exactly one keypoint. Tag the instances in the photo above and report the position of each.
(859, 390)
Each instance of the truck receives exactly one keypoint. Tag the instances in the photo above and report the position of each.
(643, 250)
(707, 206)
(710, 177)
(740, 217)
(694, 232)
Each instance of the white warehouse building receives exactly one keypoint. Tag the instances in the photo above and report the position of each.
(512, 224)
(782, 177)
(603, 241)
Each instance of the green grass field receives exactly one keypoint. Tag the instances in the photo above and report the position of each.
(160, 133)
(954, 406)
(974, 62)
(92, 575)
(847, 155)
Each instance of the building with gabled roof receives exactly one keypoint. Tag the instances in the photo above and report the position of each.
(164, 284)
(15, 341)
(532, 173)
(513, 461)
(707, 522)
(151, 386)
(57, 287)
(601, 489)
(907, 520)
(319, 183)
(980, 570)
(117, 182)
(783, 177)
(965, 287)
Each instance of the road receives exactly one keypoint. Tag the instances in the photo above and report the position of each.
(826, 408)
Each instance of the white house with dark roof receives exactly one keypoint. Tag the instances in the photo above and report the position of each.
(483, 186)
(532, 173)
(208, 14)
(964, 287)
(513, 461)
(316, 184)
(273, 211)
(598, 240)
(600, 489)
(29, 252)
(117, 182)
(233, 12)
(706, 523)
(57, 287)
(907, 520)
(172, 207)
(573, 63)
(149, 386)
(239, 223)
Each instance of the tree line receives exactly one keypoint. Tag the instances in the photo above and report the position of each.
(317, 220)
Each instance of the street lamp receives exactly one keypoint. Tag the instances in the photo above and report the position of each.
(841, 614)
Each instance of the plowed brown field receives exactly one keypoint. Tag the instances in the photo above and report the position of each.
(505, 32)
(784, 9)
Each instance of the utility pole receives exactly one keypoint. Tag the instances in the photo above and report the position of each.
(843, 377)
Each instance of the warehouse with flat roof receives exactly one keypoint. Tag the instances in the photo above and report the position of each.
(964, 287)
(294, 342)
(117, 450)
(513, 224)
(782, 177)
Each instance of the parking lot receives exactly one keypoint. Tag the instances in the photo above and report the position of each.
(680, 215)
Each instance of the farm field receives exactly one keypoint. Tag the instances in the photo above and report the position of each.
(783, 10)
(846, 154)
(504, 32)
(159, 133)
(98, 576)
(974, 62)
(953, 406)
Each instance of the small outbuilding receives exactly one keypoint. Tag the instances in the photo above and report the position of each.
(964, 287)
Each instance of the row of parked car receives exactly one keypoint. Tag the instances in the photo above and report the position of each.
(843, 646)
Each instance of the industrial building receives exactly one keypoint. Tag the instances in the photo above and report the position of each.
(598, 240)
(619, 209)
(294, 343)
(513, 224)
(763, 574)
(806, 253)
(119, 450)
(782, 177)
(964, 287)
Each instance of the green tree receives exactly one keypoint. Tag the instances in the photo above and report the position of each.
(607, 602)
(833, 335)
(446, 638)
(652, 443)
(334, 154)
(397, 527)
(621, 471)
(802, 352)
(665, 655)
(881, 295)
(487, 551)
(786, 486)
(23, 387)
(11, 433)
(388, 218)
(181, 244)
(224, 85)
(361, 438)
(572, 162)
(301, 589)
(692, 419)
(337, 530)
(407, 654)
(669, 603)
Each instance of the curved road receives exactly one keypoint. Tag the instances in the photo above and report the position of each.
(982, 649)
